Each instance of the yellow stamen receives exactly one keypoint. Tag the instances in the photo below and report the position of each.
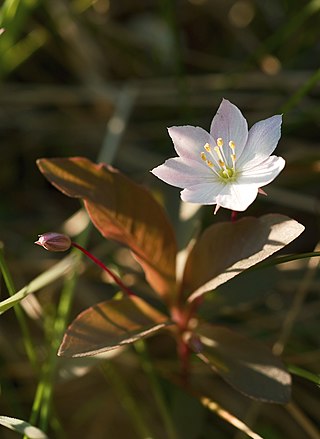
(232, 145)
(222, 164)
(203, 156)
(207, 147)
(220, 142)
(209, 163)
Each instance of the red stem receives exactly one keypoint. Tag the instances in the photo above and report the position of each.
(184, 355)
(182, 317)
(234, 215)
(97, 261)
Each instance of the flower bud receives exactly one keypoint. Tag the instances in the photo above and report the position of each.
(54, 242)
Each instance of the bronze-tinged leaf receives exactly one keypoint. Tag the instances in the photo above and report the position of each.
(109, 325)
(121, 210)
(250, 288)
(247, 365)
(226, 249)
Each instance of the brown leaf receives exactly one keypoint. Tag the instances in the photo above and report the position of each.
(123, 211)
(109, 325)
(226, 249)
(247, 365)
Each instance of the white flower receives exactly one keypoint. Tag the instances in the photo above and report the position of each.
(227, 166)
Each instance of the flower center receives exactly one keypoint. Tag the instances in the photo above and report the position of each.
(224, 167)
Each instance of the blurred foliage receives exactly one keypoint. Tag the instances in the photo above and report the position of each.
(105, 78)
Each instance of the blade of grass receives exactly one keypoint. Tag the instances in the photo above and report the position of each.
(314, 378)
(301, 92)
(300, 418)
(57, 271)
(60, 324)
(228, 417)
(20, 426)
(13, 17)
(285, 31)
(146, 363)
(36, 403)
(26, 336)
(286, 258)
(126, 399)
(117, 123)
(294, 310)
(22, 50)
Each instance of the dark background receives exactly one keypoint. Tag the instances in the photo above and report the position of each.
(103, 79)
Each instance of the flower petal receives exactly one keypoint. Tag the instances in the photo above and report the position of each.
(189, 141)
(204, 193)
(237, 197)
(182, 172)
(264, 173)
(229, 124)
(262, 141)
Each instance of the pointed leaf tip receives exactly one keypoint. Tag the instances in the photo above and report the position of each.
(226, 249)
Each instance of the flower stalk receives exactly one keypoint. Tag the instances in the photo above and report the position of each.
(97, 261)
(58, 242)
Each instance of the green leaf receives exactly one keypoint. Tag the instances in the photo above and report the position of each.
(226, 249)
(22, 427)
(123, 211)
(247, 365)
(109, 325)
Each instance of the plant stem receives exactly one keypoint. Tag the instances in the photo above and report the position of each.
(184, 354)
(182, 317)
(234, 215)
(97, 261)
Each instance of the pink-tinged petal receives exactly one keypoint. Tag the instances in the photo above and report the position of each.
(237, 196)
(264, 173)
(205, 193)
(229, 124)
(189, 141)
(183, 172)
(262, 141)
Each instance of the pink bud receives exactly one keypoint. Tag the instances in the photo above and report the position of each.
(54, 242)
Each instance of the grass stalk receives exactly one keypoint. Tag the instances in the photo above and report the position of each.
(301, 92)
(312, 377)
(146, 363)
(126, 399)
(27, 340)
